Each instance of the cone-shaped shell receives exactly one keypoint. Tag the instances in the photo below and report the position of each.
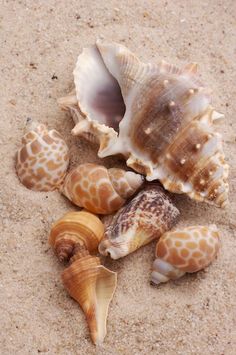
(146, 217)
(73, 229)
(42, 161)
(184, 250)
(92, 286)
(166, 130)
(98, 189)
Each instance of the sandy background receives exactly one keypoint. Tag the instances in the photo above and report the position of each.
(41, 40)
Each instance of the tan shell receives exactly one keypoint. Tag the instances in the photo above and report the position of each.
(92, 286)
(98, 189)
(75, 229)
(146, 217)
(43, 159)
(184, 250)
(157, 115)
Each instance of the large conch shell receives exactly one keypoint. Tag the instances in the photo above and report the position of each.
(75, 229)
(92, 286)
(43, 159)
(185, 250)
(157, 115)
(146, 217)
(98, 189)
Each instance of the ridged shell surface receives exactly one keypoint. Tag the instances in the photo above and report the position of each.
(92, 286)
(75, 229)
(146, 217)
(157, 115)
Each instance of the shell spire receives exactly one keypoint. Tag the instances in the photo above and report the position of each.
(145, 218)
(184, 250)
(98, 189)
(158, 116)
(93, 287)
(75, 229)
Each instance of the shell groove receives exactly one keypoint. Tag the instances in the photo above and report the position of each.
(146, 217)
(92, 286)
(43, 159)
(157, 115)
(75, 229)
(98, 189)
(185, 250)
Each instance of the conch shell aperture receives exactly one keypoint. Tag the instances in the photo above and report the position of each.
(157, 115)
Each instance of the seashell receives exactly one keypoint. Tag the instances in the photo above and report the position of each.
(185, 250)
(157, 115)
(98, 189)
(92, 286)
(75, 229)
(146, 217)
(43, 159)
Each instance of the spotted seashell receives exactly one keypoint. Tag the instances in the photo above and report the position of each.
(157, 115)
(98, 189)
(184, 250)
(42, 161)
(146, 217)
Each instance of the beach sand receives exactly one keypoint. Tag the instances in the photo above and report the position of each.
(40, 41)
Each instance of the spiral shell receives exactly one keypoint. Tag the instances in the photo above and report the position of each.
(75, 229)
(146, 217)
(43, 159)
(98, 189)
(185, 250)
(92, 286)
(157, 115)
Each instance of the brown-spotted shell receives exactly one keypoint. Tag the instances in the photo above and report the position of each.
(145, 218)
(98, 189)
(43, 159)
(157, 115)
(184, 250)
(92, 286)
(75, 229)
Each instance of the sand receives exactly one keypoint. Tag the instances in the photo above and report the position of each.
(40, 41)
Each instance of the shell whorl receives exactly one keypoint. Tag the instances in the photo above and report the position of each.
(146, 217)
(98, 189)
(166, 130)
(42, 161)
(185, 250)
(74, 230)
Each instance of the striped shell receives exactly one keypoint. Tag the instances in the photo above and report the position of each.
(185, 250)
(146, 217)
(92, 286)
(98, 189)
(157, 115)
(43, 159)
(75, 229)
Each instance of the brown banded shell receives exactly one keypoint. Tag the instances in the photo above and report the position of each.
(98, 189)
(158, 116)
(184, 250)
(43, 159)
(92, 286)
(146, 217)
(75, 229)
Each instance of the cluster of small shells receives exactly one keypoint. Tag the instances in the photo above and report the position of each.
(160, 118)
